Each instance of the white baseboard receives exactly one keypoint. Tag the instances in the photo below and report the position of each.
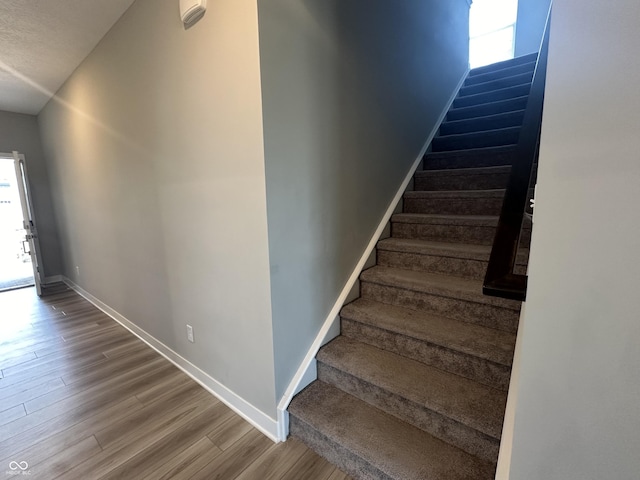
(263, 422)
(306, 373)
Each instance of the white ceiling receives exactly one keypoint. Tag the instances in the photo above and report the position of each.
(43, 41)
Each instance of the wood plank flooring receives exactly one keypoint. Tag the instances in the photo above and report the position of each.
(83, 398)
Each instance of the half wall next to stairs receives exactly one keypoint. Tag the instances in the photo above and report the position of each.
(351, 91)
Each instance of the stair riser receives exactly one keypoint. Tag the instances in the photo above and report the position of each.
(482, 314)
(489, 97)
(453, 206)
(487, 109)
(435, 161)
(476, 140)
(474, 368)
(511, 119)
(446, 429)
(459, 267)
(461, 182)
(341, 457)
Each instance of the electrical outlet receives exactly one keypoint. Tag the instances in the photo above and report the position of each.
(190, 333)
(77, 270)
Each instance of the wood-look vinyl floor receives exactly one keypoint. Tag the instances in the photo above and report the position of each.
(83, 398)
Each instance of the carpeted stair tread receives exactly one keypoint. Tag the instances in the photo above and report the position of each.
(497, 83)
(465, 401)
(480, 124)
(443, 249)
(463, 172)
(470, 158)
(485, 133)
(451, 194)
(483, 139)
(523, 59)
(468, 220)
(432, 219)
(476, 151)
(454, 228)
(479, 77)
(483, 178)
(500, 169)
(493, 96)
(445, 258)
(368, 443)
(486, 343)
(485, 109)
(466, 229)
(457, 202)
(440, 285)
(457, 250)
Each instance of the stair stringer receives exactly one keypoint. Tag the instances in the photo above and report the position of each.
(306, 372)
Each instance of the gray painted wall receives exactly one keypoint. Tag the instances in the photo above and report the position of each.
(20, 132)
(578, 405)
(351, 91)
(155, 146)
(532, 16)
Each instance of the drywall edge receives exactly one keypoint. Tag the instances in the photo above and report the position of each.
(251, 414)
(506, 443)
(306, 371)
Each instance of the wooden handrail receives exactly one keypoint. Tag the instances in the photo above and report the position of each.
(500, 279)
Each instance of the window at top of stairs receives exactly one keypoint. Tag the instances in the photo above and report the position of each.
(492, 29)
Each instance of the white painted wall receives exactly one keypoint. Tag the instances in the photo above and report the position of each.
(578, 401)
(20, 132)
(532, 16)
(352, 89)
(155, 145)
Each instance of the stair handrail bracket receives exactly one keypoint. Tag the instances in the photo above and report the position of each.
(501, 279)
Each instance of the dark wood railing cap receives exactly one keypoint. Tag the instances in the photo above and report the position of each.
(500, 279)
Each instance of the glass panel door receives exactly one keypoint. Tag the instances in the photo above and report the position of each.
(16, 269)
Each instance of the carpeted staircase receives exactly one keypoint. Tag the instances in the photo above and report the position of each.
(415, 386)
